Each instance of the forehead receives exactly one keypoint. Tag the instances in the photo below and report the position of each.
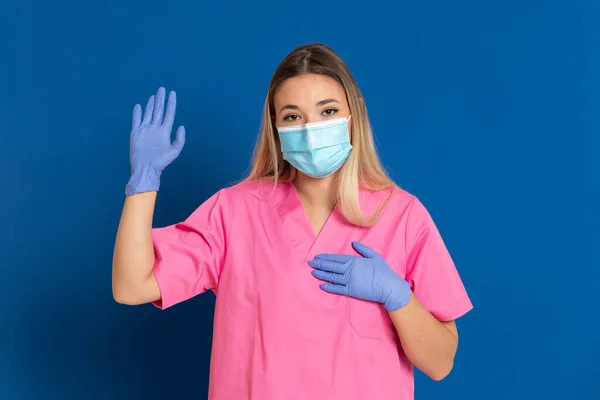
(308, 90)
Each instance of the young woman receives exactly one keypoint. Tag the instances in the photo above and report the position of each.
(331, 282)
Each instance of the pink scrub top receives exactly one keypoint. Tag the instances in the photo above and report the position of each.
(277, 335)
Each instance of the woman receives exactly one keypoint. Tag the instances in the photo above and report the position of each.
(330, 281)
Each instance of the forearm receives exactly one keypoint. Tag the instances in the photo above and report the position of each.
(133, 253)
(428, 343)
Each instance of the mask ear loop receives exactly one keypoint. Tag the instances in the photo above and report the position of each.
(349, 133)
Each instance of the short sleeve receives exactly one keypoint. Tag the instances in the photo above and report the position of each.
(430, 269)
(189, 255)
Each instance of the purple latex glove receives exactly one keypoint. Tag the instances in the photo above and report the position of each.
(368, 277)
(151, 149)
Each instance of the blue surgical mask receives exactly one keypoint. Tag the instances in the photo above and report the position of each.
(317, 149)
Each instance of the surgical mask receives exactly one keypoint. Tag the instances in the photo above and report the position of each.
(317, 149)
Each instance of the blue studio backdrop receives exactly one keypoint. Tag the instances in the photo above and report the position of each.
(488, 111)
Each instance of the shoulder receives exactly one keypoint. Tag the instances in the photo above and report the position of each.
(400, 208)
(408, 204)
(249, 188)
(231, 201)
(396, 201)
(251, 192)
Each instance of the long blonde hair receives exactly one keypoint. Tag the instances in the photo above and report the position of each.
(362, 168)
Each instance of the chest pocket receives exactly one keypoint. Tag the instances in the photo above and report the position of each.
(369, 319)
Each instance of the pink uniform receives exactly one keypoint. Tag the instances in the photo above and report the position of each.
(277, 335)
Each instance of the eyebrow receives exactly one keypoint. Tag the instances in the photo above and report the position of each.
(319, 104)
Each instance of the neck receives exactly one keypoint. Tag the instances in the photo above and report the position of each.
(316, 192)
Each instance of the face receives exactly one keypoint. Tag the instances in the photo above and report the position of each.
(309, 98)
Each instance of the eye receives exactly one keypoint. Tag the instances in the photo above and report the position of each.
(292, 117)
(330, 111)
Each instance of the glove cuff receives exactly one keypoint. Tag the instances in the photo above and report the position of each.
(145, 179)
(398, 297)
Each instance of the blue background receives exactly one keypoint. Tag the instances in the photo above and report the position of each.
(486, 110)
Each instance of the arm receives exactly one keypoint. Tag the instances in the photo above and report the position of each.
(437, 294)
(428, 343)
(133, 280)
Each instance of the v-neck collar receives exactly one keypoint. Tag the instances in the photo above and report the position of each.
(297, 225)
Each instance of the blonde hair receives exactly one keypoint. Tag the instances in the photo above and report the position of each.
(362, 168)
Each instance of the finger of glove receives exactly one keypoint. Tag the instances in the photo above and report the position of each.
(136, 119)
(148, 111)
(179, 141)
(339, 258)
(363, 250)
(170, 114)
(330, 266)
(329, 277)
(335, 289)
(159, 107)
